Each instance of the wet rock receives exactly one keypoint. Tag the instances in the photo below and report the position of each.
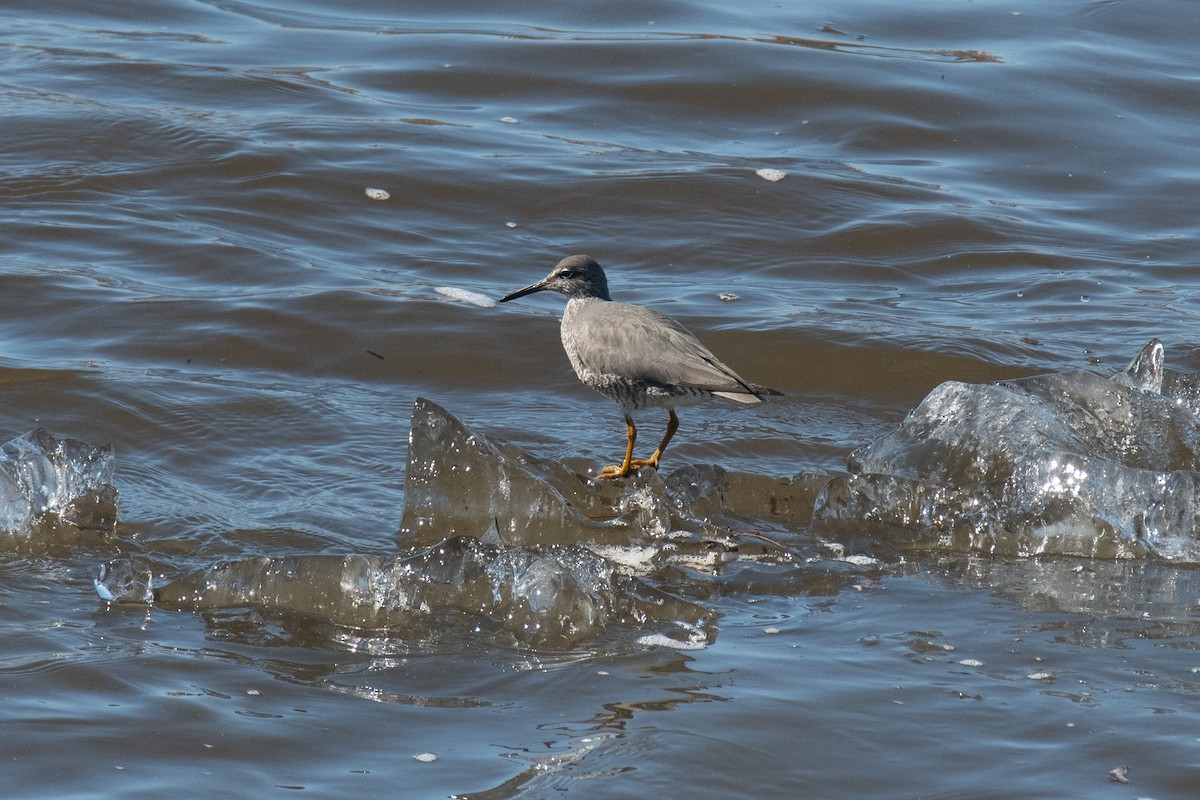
(460, 481)
(702, 493)
(46, 482)
(558, 566)
(1070, 463)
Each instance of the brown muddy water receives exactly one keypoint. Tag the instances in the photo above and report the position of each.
(196, 273)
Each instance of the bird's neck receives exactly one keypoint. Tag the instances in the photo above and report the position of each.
(592, 293)
(586, 300)
(576, 305)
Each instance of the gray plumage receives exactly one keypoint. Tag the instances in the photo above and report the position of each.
(643, 359)
(635, 355)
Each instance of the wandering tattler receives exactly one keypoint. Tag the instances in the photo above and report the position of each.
(635, 355)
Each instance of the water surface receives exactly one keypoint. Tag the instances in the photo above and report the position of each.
(973, 191)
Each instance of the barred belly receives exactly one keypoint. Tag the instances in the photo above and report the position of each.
(637, 395)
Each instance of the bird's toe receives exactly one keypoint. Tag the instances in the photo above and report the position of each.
(615, 471)
(625, 470)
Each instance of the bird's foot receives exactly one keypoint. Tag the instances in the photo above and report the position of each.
(625, 470)
(617, 471)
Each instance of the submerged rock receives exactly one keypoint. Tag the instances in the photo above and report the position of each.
(553, 597)
(1071, 463)
(46, 481)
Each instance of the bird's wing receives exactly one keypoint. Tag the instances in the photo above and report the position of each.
(642, 344)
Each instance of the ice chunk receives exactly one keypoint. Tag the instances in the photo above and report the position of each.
(45, 479)
(458, 480)
(1065, 463)
(552, 596)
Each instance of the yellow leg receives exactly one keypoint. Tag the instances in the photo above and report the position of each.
(627, 465)
(652, 461)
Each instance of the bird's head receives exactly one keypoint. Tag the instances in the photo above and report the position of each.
(574, 276)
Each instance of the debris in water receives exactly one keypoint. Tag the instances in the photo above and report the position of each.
(509, 120)
(728, 297)
(696, 638)
(772, 175)
(426, 758)
(377, 194)
(1119, 774)
(466, 296)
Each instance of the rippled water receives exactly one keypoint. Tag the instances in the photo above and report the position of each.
(196, 274)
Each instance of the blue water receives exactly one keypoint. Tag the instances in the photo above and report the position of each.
(195, 273)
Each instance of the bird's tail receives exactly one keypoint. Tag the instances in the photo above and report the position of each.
(753, 394)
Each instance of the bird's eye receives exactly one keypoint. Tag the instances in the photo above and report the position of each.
(568, 273)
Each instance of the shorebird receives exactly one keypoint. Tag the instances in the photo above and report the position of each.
(635, 355)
